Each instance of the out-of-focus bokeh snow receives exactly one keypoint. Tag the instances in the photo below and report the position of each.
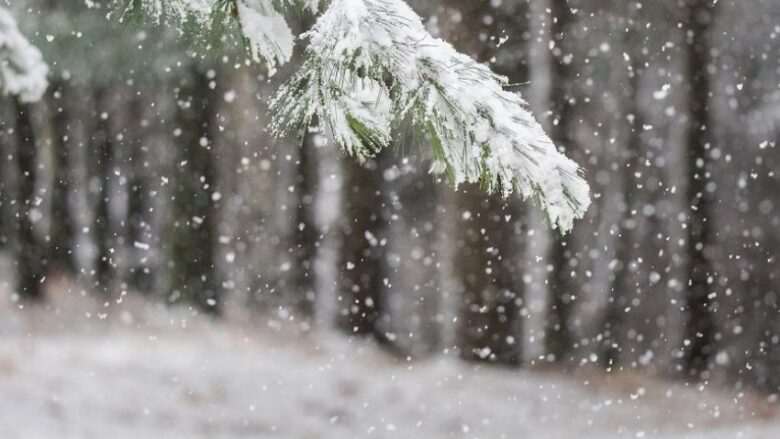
(86, 369)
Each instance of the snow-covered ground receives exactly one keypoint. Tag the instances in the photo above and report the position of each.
(142, 372)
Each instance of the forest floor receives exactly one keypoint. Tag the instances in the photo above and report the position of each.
(84, 369)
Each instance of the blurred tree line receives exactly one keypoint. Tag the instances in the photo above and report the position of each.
(147, 170)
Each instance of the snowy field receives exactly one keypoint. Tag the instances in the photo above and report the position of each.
(81, 369)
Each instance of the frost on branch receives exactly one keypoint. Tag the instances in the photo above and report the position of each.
(22, 69)
(370, 63)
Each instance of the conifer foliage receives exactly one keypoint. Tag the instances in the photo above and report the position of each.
(22, 69)
(370, 66)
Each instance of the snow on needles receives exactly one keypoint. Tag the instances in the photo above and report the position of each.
(370, 64)
(363, 53)
(270, 38)
(22, 69)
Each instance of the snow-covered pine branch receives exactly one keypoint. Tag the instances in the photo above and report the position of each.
(22, 69)
(371, 64)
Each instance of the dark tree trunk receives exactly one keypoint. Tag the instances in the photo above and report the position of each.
(6, 180)
(700, 327)
(5, 205)
(29, 253)
(489, 274)
(140, 206)
(559, 340)
(363, 250)
(62, 227)
(102, 163)
(489, 252)
(194, 232)
(563, 287)
(414, 291)
(307, 234)
(623, 280)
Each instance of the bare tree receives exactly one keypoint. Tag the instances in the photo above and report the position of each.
(193, 239)
(62, 234)
(6, 183)
(700, 327)
(307, 234)
(102, 149)
(488, 254)
(490, 277)
(363, 268)
(623, 280)
(563, 287)
(28, 250)
(140, 201)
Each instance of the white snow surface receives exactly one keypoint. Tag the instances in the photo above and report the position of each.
(142, 371)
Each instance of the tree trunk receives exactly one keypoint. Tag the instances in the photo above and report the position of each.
(29, 254)
(307, 234)
(623, 280)
(363, 250)
(6, 183)
(700, 326)
(140, 204)
(488, 272)
(194, 234)
(62, 226)
(563, 287)
(489, 252)
(102, 156)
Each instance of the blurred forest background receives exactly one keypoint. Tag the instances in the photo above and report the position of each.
(147, 170)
